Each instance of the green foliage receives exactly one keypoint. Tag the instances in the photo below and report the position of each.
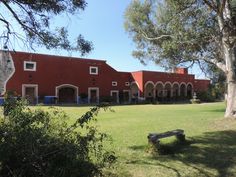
(10, 102)
(215, 92)
(40, 143)
(35, 19)
(170, 32)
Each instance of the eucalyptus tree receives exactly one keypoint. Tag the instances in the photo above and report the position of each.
(31, 22)
(178, 32)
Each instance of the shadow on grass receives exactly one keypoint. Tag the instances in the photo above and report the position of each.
(215, 150)
(218, 110)
(138, 148)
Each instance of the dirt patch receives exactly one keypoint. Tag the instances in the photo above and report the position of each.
(224, 124)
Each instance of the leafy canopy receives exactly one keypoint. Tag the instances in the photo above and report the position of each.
(174, 32)
(34, 19)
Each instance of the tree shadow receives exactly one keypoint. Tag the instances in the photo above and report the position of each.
(217, 110)
(216, 150)
(213, 150)
(139, 148)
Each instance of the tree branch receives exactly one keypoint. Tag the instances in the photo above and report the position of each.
(154, 38)
(8, 30)
(27, 28)
(220, 65)
(221, 8)
(211, 5)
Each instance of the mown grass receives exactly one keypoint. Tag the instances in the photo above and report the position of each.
(211, 139)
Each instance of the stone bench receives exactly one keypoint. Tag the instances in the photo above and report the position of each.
(154, 138)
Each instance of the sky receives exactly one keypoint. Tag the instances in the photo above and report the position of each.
(102, 22)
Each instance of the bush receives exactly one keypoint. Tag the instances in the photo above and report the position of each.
(37, 143)
(206, 96)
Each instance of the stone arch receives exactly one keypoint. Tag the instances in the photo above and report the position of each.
(149, 90)
(189, 90)
(159, 90)
(168, 90)
(67, 93)
(134, 90)
(183, 90)
(175, 89)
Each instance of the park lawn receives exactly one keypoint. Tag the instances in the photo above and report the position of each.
(210, 149)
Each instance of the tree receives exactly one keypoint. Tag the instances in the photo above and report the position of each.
(173, 33)
(30, 21)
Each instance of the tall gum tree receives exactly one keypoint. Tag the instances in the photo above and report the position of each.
(180, 32)
(30, 22)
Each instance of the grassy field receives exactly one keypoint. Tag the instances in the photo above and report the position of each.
(211, 140)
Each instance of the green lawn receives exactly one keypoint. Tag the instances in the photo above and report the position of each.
(210, 148)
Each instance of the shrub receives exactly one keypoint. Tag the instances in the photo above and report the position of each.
(206, 96)
(41, 143)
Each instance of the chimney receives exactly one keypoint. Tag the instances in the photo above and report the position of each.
(181, 70)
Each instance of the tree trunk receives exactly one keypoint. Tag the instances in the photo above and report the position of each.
(227, 28)
(231, 82)
(231, 101)
(7, 69)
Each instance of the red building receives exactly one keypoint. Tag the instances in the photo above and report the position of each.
(48, 78)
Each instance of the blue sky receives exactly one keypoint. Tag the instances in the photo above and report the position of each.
(102, 22)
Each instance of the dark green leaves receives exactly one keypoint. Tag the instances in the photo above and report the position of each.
(34, 19)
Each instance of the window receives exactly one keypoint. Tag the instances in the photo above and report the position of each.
(114, 83)
(127, 84)
(93, 70)
(29, 66)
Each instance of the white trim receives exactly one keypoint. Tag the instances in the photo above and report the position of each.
(159, 82)
(165, 89)
(175, 83)
(114, 83)
(93, 67)
(183, 83)
(32, 86)
(129, 94)
(149, 82)
(67, 85)
(189, 83)
(127, 83)
(89, 93)
(185, 88)
(146, 94)
(30, 62)
(168, 83)
(178, 86)
(136, 84)
(117, 96)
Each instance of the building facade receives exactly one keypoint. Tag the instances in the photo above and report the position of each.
(59, 79)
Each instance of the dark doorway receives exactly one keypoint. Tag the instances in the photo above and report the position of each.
(189, 91)
(126, 98)
(30, 95)
(93, 96)
(67, 95)
(115, 97)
